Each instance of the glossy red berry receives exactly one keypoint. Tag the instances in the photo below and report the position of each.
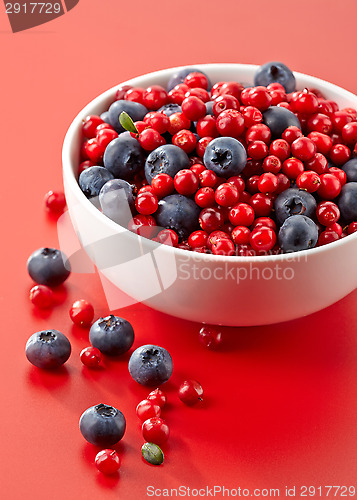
(223, 246)
(107, 461)
(85, 164)
(198, 239)
(260, 98)
(190, 392)
(327, 236)
(264, 221)
(240, 235)
(90, 125)
(186, 182)
(262, 204)
(147, 409)
(150, 139)
(94, 151)
(336, 228)
(241, 214)
(262, 238)
(352, 228)
(205, 197)
(303, 148)
(105, 136)
(81, 313)
(143, 225)
(162, 185)
(168, 237)
(259, 132)
(349, 133)
(309, 180)
(198, 92)
(55, 202)
(158, 397)
(231, 88)
(155, 430)
(135, 94)
(318, 163)
(178, 121)
(230, 123)
(211, 219)
(208, 178)
(323, 142)
(330, 187)
(339, 154)
(158, 121)
(293, 167)
(290, 134)
(251, 116)
(155, 97)
(121, 92)
(193, 108)
(257, 150)
(327, 213)
(41, 296)
(202, 144)
(268, 183)
(271, 164)
(283, 183)
(210, 336)
(185, 140)
(91, 357)
(339, 120)
(224, 102)
(146, 203)
(226, 195)
(319, 123)
(306, 102)
(177, 94)
(206, 126)
(196, 79)
(280, 148)
(339, 173)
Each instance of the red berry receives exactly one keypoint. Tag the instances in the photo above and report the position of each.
(259, 132)
(262, 204)
(349, 133)
(318, 163)
(210, 336)
(107, 461)
(271, 164)
(231, 88)
(158, 121)
(330, 187)
(82, 313)
(290, 134)
(91, 357)
(105, 136)
(146, 188)
(155, 97)
(202, 144)
(155, 430)
(208, 178)
(252, 184)
(178, 121)
(41, 296)
(319, 123)
(85, 164)
(214, 236)
(303, 148)
(90, 125)
(157, 397)
(150, 139)
(206, 126)
(186, 182)
(55, 201)
(268, 183)
(241, 214)
(292, 168)
(339, 173)
(185, 140)
(200, 93)
(252, 116)
(144, 225)
(262, 238)
(260, 98)
(211, 219)
(177, 94)
(339, 120)
(280, 148)
(135, 94)
(283, 183)
(205, 197)
(190, 392)
(257, 150)
(305, 102)
(238, 181)
(339, 154)
(240, 235)
(327, 213)
(197, 168)
(327, 236)
(352, 228)
(226, 195)
(198, 239)
(146, 203)
(308, 180)
(322, 141)
(162, 185)
(264, 221)
(193, 108)
(196, 79)
(94, 151)
(167, 237)
(224, 102)
(147, 409)
(336, 228)
(223, 246)
(230, 123)
(121, 92)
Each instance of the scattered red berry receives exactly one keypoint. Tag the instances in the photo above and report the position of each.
(82, 313)
(190, 392)
(91, 357)
(41, 296)
(55, 202)
(155, 430)
(107, 461)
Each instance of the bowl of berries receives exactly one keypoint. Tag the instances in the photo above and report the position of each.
(219, 193)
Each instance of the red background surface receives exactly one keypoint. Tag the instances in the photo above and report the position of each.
(280, 401)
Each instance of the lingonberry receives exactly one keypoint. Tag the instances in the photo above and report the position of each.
(339, 120)
(264, 221)
(223, 246)
(211, 219)
(244, 96)
(177, 94)
(202, 144)
(121, 92)
(210, 337)
(190, 392)
(155, 430)
(290, 134)
(303, 148)
(185, 140)
(308, 180)
(94, 151)
(339, 173)
(158, 121)
(305, 102)
(143, 225)
(197, 168)
(55, 202)
(240, 235)
(91, 357)
(352, 228)
(230, 123)
(251, 116)
(168, 237)
(244, 197)
(257, 150)
(214, 236)
(280, 148)
(162, 185)
(198, 239)
(325, 107)
(81, 313)
(238, 181)
(41, 296)
(193, 108)
(147, 409)
(268, 183)
(336, 228)
(339, 154)
(322, 141)
(231, 88)
(107, 461)
(146, 188)
(186, 182)
(216, 89)
(349, 133)
(292, 168)
(330, 187)
(327, 213)
(283, 183)
(271, 164)
(158, 397)
(206, 126)
(259, 97)
(205, 197)
(258, 132)
(105, 136)
(146, 203)
(262, 204)
(252, 167)
(262, 238)
(196, 79)
(319, 123)
(327, 236)
(135, 94)
(178, 121)
(155, 97)
(208, 178)
(252, 184)
(318, 164)
(226, 195)
(90, 124)
(85, 164)
(224, 102)
(241, 214)
(150, 139)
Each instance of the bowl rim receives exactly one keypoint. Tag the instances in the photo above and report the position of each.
(71, 180)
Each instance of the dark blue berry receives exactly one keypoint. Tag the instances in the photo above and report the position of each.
(135, 110)
(209, 108)
(92, 179)
(150, 365)
(180, 76)
(170, 109)
(48, 266)
(48, 349)
(179, 213)
(275, 72)
(225, 156)
(347, 202)
(112, 335)
(102, 425)
(117, 200)
(298, 233)
(124, 157)
(279, 119)
(166, 159)
(350, 168)
(105, 117)
(294, 201)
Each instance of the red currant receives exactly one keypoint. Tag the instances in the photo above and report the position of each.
(55, 202)
(210, 336)
(162, 185)
(41, 296)
(226, 195)
(81, 313)
(257, 150)
(352, 228)
(280, 148)
(339, 173)
(186, 182)
(319, 123)
(85, 164)
(185, 140)
(105, 136)
(260, 98)
(135, 94)
(330, 187)
(327, 213)
(107, 461)
(155, 430)
(308, 180)
(208, 178)
(91, 357)
(349, 133)
(205, 197)
(121, 92)
(327, 236)
(177, 94)
(264, 221)
(150, 139)
(322, 141)
(283, 183)
(158, 397)
(223, 246)
(190, 392)
(251, 116)
(147, 409)
(202, 144)
(305, 102)
(318, 164)
(159, 122)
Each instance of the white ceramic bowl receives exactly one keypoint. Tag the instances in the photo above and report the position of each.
(233, 291)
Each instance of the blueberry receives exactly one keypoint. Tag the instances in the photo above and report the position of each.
(166, 159)
(105, 117)
(150, 365)
(294, 201)
(92, 179)
(209, 108)
(48, 349)
(347, 202)
(112, 335)
(117, 200)
(350, 168)
(135, 110)
(179, 213)
(170, 109)
(275, 72)
(124, 157)
(102, 425)
(278, 119)
(48, 266)
(180, 75)
(225, 156)
(298, 233)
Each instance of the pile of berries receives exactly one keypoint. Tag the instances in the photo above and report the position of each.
(225, 169)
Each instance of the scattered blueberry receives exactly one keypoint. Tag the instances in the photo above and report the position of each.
(179, 213)
(150, 365)
(226, 156)
(135, 110)
(92, 179)
(278, 119)
(347, 202)
(275, 72)
(48, 266)
(124, 157)
(166, 159)
(294, 201)
(48, 349)
(170, 109)
(181, 74)
(298, 233)
(350, 168)
(117, 200)
(112, 335)
(102, 425)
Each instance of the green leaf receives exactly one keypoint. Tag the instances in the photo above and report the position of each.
(127, 123)
(152, 453)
